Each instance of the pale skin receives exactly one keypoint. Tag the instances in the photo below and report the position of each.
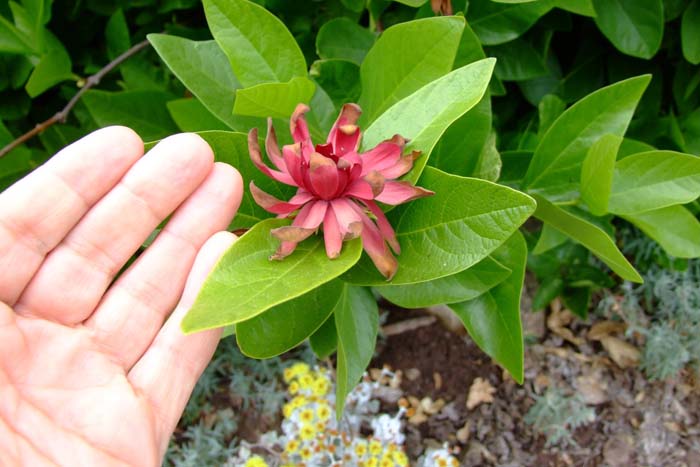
(96, 371)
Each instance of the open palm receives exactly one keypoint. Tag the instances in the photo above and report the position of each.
(96, 371)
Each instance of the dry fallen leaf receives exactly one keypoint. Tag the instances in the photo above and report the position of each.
(463, 433)
(592, 388)
(480, 392)
(407, 325)
(557, 321)
(605, 328)
(624, 354)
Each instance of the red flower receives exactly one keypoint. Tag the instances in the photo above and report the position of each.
(337, 186)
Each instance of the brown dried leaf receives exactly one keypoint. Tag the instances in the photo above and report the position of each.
(557, 321)
(480, 392)
(605, 328)
(624, 354)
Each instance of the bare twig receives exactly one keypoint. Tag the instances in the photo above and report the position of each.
(62, 115)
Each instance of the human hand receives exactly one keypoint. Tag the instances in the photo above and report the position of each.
(89, 374)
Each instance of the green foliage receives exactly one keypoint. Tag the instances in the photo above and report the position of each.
(557, 415)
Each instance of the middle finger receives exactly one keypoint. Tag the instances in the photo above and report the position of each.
(75, 275)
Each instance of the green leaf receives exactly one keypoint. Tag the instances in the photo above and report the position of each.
(548, 290)
(498, 23)
(53, 67)
(405, 58)
(191, 115)
(580, 7)
(339, 78)
(459, 287)
(117, 35)
(577, 299)
(550, 238)
(673, 227)
(514, 165)
(203, 68)
(493, 318)
(556, 165)
(143, 111)
(356, 322)
(232, 148)
(653, 180)
(57, 137)
(459, 148)
(14, 41)
(517, 61)
(16, 163)
(259, 46)
(344, 39)
(631, 146)
(450, 97)
(469, 49)
(489, 165)
(634, 28)
(283, 327)
(325, 340)
(597, 173)
(39, 12)
(273, 99)
(549, 109)
(588, 235)
(245, 282)
(690, 32)
(450, 231)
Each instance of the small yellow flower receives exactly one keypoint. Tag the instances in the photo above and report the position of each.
(306, 453)
(441, 462)
(287, 410)
(372, 462)
(386, 462)
(454, 462)
(375, 447)
(321, 386)
(256, 461)
(306, 415)
(323, 412)
(288, 374)
(299, 401)
(305, 381)
(400, 458)
(292, 445)
(361, 449)
(293, 387)
(307, 432)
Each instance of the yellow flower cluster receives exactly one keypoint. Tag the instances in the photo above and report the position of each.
(256, 461)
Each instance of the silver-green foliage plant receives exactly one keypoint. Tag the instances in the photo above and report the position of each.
(557, 415)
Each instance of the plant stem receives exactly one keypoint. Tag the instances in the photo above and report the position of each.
(62, 115)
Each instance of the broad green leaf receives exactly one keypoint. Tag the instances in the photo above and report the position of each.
(283, 327)
(344, 39)
(203, 68)
(354, 5)
(588, 235)
(232, 148)
(549, 109)
(450, 231)
(690, 127)
(14, 41)
(631, 146)
(489, 165)
(469, 49)
(690, 32)
(191, 115)
(16, 163)
(493, 318)
(653, 180)
(673, 227)
(117, 35)
(498, 23)
(413, 3)
(273, 99)
(597, 173)
(517, 60)
(458, 150)
(39, 13)
(245, 282)
(635, 28)
(512, 2)
(356, 322)
(258, 45)
(339, 78)
(577, 299)
(580, 7)
(514, 165)
(556, 165)
(450, 97)
(53, 67)
(549, 238)
(325, 340)
(405, 58)
(143, 111)
(57, 137)
(549, 289)
(465, 285)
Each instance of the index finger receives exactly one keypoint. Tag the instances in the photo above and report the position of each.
(37, 212)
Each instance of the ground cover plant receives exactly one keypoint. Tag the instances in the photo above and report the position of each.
(415, 153)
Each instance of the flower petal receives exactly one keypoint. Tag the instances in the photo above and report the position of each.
(359, 189)
(305, 224)
(276, 206)
(272, 148)
(349, 220)
(376, 181)
(383, 156)
(345, 134)
(300, 130)
(384, 226)
(332, 235)
(373, 243)
(402, 167)
(323, 176)
(291, 154)
(399, 192)
(256, 157)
